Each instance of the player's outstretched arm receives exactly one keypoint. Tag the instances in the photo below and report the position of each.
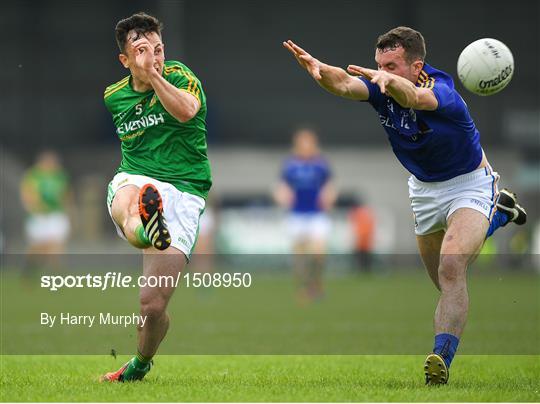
(333, 79)
(400, 89)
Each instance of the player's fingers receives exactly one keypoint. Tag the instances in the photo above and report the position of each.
(376, 79)
(380, 81)
(140, 49)
(291, 43)
(288, 47)
(359, 71)
(367, 72)
(139, 41)
(306, 58)
(143, 46)
(297, 48)
(298, 59)
(353, 71)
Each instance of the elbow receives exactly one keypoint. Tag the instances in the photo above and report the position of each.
(184, 117)
(188, 112)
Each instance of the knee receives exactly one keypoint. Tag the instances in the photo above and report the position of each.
(451, 271)
(153, 308)
(133, 207)
(125, 204)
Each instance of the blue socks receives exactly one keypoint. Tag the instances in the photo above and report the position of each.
(446, 347)
(499, 219)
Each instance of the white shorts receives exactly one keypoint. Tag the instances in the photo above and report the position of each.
(181, 210)
(434, 202)
(48, 227)
(308, 226)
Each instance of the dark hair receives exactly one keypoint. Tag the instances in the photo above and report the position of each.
(141, 23)
(410, 40)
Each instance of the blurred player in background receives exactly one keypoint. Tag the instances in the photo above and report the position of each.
(46, 197)
(158, 194)
(453, 189)
(306, 190)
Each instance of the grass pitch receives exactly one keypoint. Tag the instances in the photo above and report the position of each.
(271, 378)
(372, 315)
(364, 342)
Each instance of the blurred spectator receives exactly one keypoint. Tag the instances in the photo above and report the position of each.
(362, 219)
(307, 192)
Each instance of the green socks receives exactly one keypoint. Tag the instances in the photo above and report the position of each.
(137, 368)
(141, 360)
(141, 236)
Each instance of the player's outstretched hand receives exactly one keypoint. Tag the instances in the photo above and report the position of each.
(305, 60)
(379, 77)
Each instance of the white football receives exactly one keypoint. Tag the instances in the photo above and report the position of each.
(485, 66)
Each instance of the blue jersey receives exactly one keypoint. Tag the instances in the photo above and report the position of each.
(432, 145)
(306, 178)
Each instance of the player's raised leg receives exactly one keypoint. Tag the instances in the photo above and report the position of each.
(462, 242)
(125, 213)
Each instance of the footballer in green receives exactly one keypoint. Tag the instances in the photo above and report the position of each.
(159, 191)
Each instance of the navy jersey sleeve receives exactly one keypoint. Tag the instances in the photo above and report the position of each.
(447, 98)
(375, 96)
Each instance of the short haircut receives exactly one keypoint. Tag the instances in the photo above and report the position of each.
(410, 40)
(141, 23)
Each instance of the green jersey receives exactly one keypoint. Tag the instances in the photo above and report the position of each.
(49, 187)
(156, 144)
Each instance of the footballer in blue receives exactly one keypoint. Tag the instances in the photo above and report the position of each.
(452, 187)
(307, 192)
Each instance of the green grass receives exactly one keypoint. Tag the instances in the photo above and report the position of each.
(389, 315)
(364, 342)
(271, 378)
